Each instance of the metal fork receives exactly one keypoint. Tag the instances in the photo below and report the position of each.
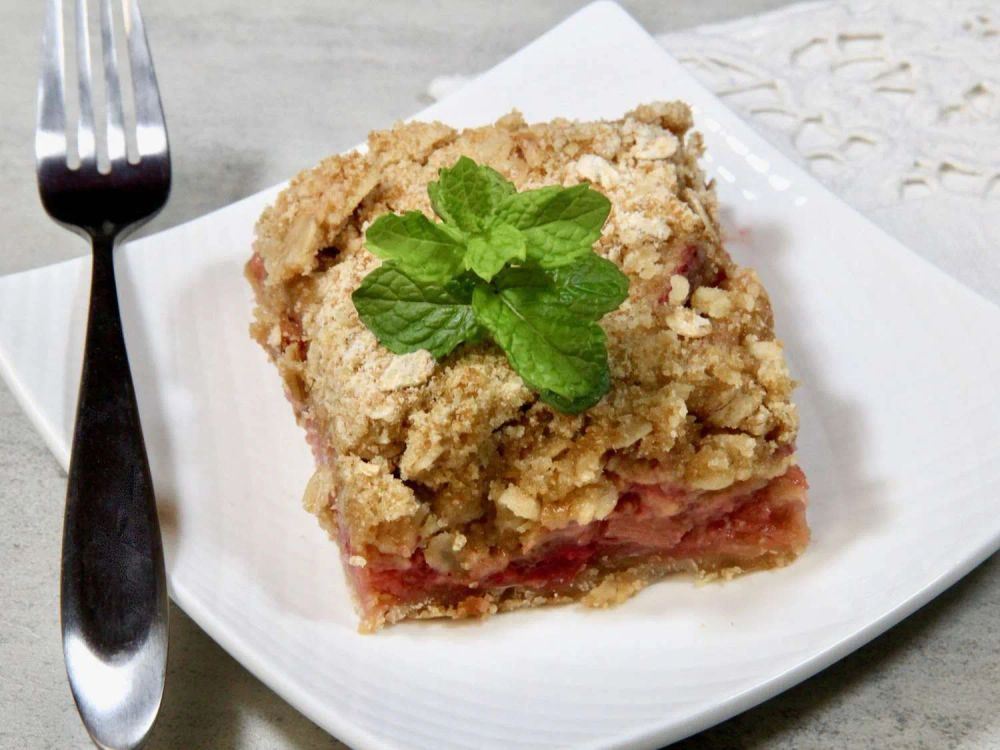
(113, 587)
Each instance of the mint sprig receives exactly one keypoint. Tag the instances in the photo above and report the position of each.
(516, 267)
(407, 314)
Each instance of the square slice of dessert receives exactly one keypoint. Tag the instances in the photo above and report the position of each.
(458, 486)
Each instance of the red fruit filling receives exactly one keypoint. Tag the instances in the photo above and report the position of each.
(734, 527)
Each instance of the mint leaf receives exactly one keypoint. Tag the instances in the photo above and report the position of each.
(427, 251)
(467, 194)
(551, 350)
(576, 405)
(489, 252)
(558, 224)
(407, 314)
(523, 276)
(591, 287)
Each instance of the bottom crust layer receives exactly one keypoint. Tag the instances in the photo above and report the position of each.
(596, 587)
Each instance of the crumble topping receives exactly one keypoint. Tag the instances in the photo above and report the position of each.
(596, 169)
(407, 370)
(458, 458)
(680, 287)
(687, 323)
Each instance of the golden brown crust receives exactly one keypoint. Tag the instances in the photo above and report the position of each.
(418, 453)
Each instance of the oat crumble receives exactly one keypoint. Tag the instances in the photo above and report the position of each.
(457, 459)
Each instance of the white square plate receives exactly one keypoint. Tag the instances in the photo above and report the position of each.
(900, 415)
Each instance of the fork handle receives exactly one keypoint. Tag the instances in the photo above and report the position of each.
(113, 585)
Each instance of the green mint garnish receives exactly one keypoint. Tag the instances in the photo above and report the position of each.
(487, 253)
(426, 250)
(407, 314)
(467, 195)
(559, 225)
(517, 267)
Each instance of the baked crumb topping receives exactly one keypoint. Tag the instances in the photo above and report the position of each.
(458, 458)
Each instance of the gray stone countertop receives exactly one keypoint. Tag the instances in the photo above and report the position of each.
(255, 91)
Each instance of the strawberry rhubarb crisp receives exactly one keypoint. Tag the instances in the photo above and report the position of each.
(528, 369)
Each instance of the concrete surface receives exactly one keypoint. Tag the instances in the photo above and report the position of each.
(255, 91)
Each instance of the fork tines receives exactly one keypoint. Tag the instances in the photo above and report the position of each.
(134, 123)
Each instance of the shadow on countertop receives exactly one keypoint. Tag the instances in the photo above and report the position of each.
(212, 701)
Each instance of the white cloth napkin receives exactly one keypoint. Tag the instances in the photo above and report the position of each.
(894, 105)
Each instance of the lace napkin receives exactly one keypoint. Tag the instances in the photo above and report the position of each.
(894, 105)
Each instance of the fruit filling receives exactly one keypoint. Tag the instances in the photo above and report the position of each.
(729, 529)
